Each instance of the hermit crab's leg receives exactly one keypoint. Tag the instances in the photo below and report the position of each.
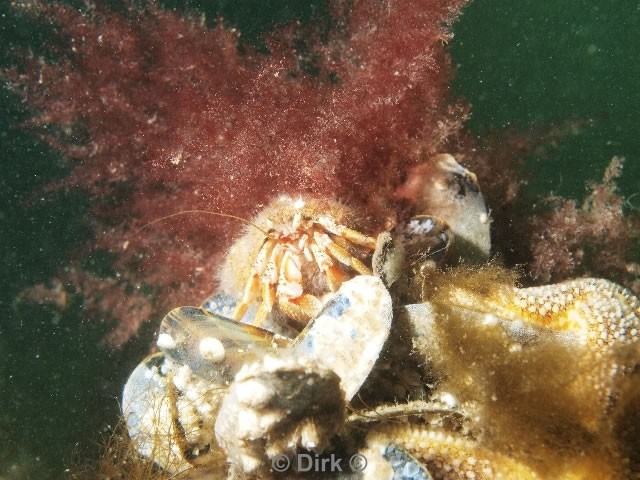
(269, 281)
(290, 278)
(333, 249)
(253, 283)
(354, 236)
(292, 301)
(334, 275)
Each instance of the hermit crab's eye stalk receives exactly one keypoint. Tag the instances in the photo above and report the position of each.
(310, 249)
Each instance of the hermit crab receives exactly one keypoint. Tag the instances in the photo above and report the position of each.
(332, 353)
(298, 250)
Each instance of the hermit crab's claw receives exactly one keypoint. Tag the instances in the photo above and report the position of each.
(301, 309)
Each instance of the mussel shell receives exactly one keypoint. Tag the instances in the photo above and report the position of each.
(188, 327)
(405, 466)
(147, 415)
(349, 334)
(220, 304)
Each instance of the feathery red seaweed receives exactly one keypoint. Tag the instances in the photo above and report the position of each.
(158, 113)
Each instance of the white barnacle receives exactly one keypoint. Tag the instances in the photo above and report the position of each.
(211, 349)
(166, 341)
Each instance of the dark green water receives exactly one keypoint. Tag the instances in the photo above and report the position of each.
(531, 63)
(522, 64)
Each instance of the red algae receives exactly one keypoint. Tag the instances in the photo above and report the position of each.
(594, 238)
(174, 116)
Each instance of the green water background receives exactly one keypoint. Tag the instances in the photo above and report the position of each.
(522, 64)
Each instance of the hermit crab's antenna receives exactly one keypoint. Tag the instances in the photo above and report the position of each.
(206, 212)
